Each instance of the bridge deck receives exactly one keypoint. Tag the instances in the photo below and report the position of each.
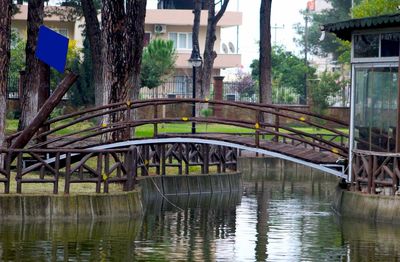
(300, 152)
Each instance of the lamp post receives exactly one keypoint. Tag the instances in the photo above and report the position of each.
(194, 61)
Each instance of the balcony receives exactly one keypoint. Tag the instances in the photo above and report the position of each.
(222, 61)
(185, 17)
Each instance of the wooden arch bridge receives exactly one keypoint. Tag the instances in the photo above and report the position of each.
(64, 146)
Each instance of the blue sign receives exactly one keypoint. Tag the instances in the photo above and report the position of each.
(52, 48)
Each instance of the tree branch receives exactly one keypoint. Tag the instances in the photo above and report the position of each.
(222, 10)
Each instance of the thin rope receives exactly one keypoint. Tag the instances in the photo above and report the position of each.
(163, 196)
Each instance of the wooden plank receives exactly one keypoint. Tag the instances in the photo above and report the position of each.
(44, 112)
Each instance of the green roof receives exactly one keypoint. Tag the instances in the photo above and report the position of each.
(344, 29)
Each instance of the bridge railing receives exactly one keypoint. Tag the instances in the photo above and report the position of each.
(375, 172)
(55, 170)
(264, 120)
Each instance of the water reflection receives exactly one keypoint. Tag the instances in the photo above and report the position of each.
(84, 241)
(279, 217)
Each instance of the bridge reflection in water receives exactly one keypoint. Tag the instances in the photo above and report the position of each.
(278, 217)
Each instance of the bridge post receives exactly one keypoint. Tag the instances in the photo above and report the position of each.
(258, 125)
(128, 130)
(132, 155)
(277, 124)
(218, 94)
(155, 132)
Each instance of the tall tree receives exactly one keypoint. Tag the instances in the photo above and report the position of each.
(195, 38)
(265, 83)
(339, 10)
(375, 7)
(5, 39)
(209, 54)
(29, 103)
(115, 75)
(122, 36)
(136, 11)
(158, 63)
(93, 34)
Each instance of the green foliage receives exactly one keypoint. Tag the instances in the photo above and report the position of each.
(288, 73)
(58, 111)
(158, 63)
(375, 7)
(206, 112)
(17, 59)
(331, 44)
(288, 70)
(328, 85)
(82, 92)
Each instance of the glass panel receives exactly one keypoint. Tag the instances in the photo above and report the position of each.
(182, 42)
(375, 108)
(174, 38)
(390, 44)
(366, 45)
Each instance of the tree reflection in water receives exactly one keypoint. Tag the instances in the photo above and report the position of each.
(278, 217)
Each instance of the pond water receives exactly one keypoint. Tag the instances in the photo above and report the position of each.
(271, 220)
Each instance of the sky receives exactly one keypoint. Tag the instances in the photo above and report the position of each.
(285, 13)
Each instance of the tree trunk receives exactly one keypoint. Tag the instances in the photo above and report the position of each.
(122, 37)
(195, 42)
(123, 46)
(29, 102)
(5, 37)
(43, 92)
(136, 12)
(265, 53)
(93, 34)
(209, 53)
(113, 36)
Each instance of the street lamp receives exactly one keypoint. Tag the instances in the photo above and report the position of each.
(194, 61)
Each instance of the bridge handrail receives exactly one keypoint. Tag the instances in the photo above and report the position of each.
(171, 101)
(246, 124)
(260, 108)
(248, 105)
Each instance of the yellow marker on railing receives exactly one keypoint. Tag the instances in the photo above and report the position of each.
(104, 125)
(146, 162)
(257, 125)
(335, 150)
(185, 118)
(105, 177)
(128, 103)
(206, 99)
(302, 119)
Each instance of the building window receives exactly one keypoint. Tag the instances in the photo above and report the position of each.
(181, 40)
(182, 86)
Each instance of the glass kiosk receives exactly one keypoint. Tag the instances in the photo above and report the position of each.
(374, 127)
